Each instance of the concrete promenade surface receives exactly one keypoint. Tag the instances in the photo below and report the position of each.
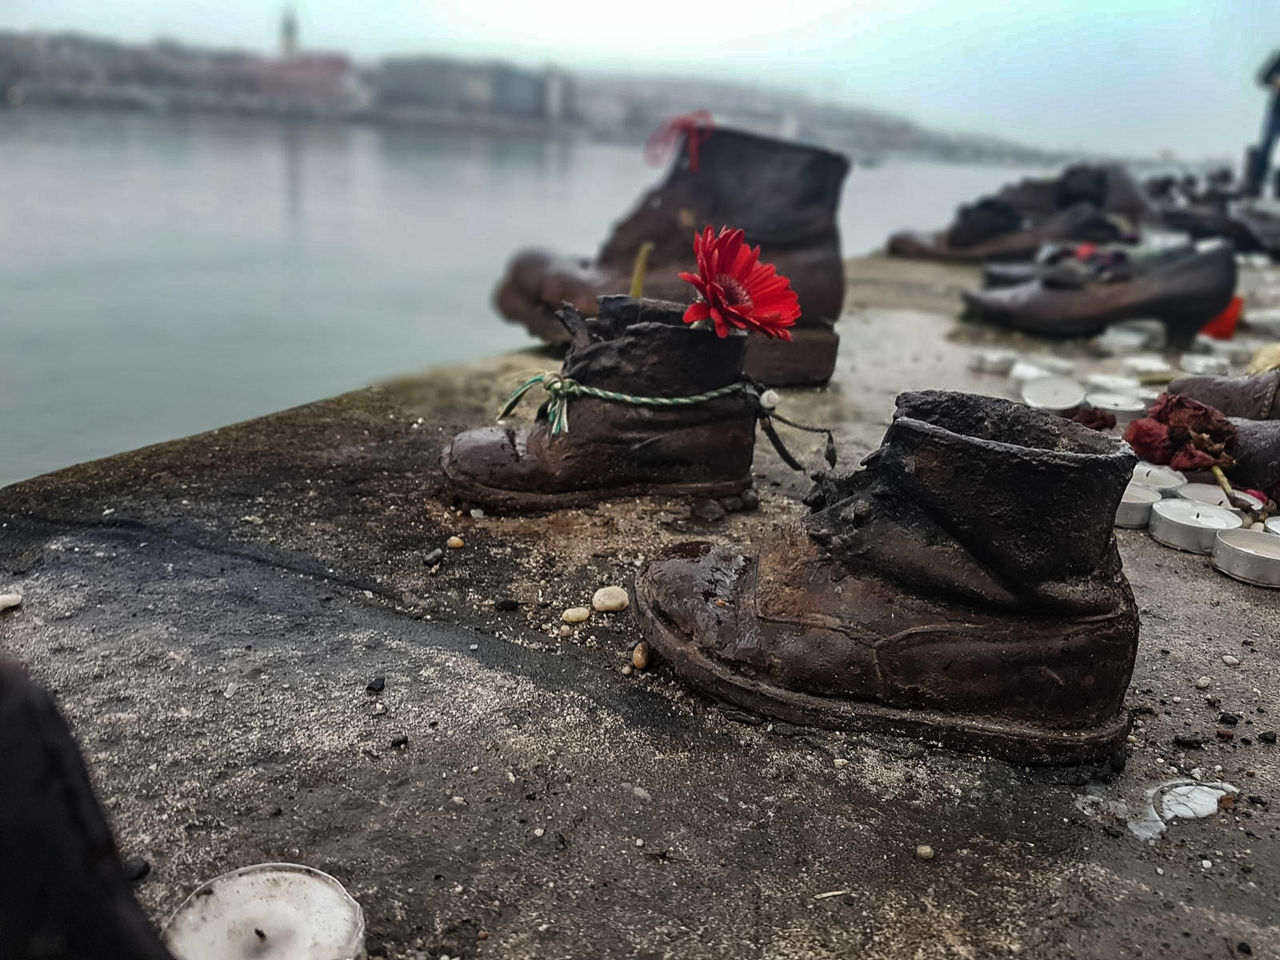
(209, 612)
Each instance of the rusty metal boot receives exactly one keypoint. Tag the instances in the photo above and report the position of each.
(687, 425)
(963, 588)
(63, 894)
(783, 194)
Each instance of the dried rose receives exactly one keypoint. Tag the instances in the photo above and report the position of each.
(1183, 433)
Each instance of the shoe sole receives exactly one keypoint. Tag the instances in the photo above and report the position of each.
(466, 490)
(1012, 742)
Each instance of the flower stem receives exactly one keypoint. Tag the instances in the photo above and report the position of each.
(641, 267)
(1232, 498)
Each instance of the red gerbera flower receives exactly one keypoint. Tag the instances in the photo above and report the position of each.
(737, 290)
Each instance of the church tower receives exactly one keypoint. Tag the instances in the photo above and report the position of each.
(288, 33)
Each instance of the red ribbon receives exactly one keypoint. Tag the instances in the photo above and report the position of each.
(695, 128)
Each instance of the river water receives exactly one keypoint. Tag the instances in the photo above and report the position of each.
(164, 275)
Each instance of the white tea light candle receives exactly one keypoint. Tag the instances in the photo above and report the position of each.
(1112, 383)
(1052, 393)
(1204, 364)
(1164, 479)
(1023, 372)
(1124, 407)
(271, 911)
(1188, 525)
(993, 361)
(1134, 511)
(1059, 365)
(1212, 493)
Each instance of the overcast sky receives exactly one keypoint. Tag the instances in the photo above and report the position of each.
(1125, 76)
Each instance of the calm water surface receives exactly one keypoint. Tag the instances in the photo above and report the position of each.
(164, 275)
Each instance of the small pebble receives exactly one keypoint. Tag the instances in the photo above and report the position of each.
(750, 499)
(575, 615)
(639, 842)
(434, 557)
(477, 514)
(1267, 736)
(565, 632)
(1202, 683)
(640, 655)
(9, 600)
(506, 605)
(841, 762)
(454, 542)
(459, 801)
(708, 510)
(924, 852)
(376, 685)
(610, 599)
(627, 670)
(539, 832)
(640, 793)
(1231, 661)
(135, 869)
(400, 742)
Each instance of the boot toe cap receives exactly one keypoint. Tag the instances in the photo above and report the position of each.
(493, 457)
(688, 595)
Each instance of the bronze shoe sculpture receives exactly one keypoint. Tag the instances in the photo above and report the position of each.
(964, 587)
(1253, 398)
(1080, 223)
(63, 894)
(1108, 186)
(783, 194)
(1185, 291)
(638, 348)
(1055, 258)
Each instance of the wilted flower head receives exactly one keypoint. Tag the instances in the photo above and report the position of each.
(1182, 433)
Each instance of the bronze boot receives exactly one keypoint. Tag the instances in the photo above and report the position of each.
(63, 894)
(784, 195)
(964, 588)
(1254, 398)
(1184, 290)
(612, 447)
(960, 243)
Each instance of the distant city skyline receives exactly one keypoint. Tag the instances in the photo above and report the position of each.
(1124, 76)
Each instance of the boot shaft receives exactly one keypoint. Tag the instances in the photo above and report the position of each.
(989, 499)
(643, 347)
(784, 196)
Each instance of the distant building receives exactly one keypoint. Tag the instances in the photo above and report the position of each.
(288, 33)
(314, 80)
(464, 88)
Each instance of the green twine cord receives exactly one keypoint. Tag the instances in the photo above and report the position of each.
(562, 389)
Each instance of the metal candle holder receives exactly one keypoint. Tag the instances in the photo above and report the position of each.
(1134, 512)
(1249, 555)
(1188, 525)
